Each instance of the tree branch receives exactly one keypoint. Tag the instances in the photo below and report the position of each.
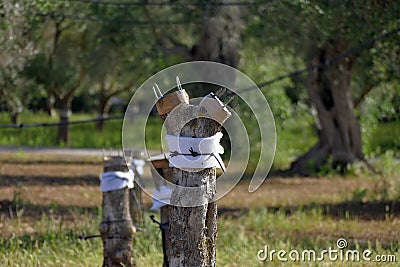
(360, 99)
(177, 49)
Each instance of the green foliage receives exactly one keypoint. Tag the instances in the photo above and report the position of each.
(382, 137)
(390, 178)
(359, 194)
(386, 179)
(16, 49)
(112, 55)
(82, 135)
(295, 39)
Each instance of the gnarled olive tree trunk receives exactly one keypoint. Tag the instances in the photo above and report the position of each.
(339, 135)
(220, 37)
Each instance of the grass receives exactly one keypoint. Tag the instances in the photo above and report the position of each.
(52, 244)
(286, 213)
(383, 137)
(55, 243)
(294, 139)
(81, 135)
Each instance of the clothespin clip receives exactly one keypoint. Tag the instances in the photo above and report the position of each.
(215, 107)
(165, 104)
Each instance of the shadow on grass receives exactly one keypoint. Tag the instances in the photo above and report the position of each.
(350, 209)
(8, 180)
(14, 208)
(373, 210)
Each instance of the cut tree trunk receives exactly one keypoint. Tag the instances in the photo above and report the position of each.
(193, 230)
(338, 128)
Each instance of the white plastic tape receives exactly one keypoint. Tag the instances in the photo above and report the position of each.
(161, 197)
(138, 164)
(116, 180)
(195, 153)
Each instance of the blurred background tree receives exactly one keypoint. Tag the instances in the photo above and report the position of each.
(320, 32)
(90, 56)
(17, 48)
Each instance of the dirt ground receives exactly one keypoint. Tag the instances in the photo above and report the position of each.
(78, 185)
(57, 187)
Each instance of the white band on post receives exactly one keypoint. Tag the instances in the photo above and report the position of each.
(116, 180)
(161, 197)
(195, 153)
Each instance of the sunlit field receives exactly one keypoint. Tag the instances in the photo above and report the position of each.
(48, 201)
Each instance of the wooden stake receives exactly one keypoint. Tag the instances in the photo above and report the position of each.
(116, 228)
(163, 171)
(193, 229)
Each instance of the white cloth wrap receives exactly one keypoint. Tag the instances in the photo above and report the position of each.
(138, 164)
(206, 145)
(116, 180)
(161, 197)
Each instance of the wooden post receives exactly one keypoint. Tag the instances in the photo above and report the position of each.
(135, 196)
(116, 228)
(193, 229)
(161, 172)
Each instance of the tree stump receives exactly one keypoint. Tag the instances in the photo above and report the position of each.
(116, 228)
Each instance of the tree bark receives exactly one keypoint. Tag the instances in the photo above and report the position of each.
(14, 116)
(166, 234)
(64, 115)
(161, 173)
(104, 109)
(193, 229)
(338, 128)
(13, 104)
(50, 100)
(116, 228)
(220, 37)
(105, 96)
(103, 105)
